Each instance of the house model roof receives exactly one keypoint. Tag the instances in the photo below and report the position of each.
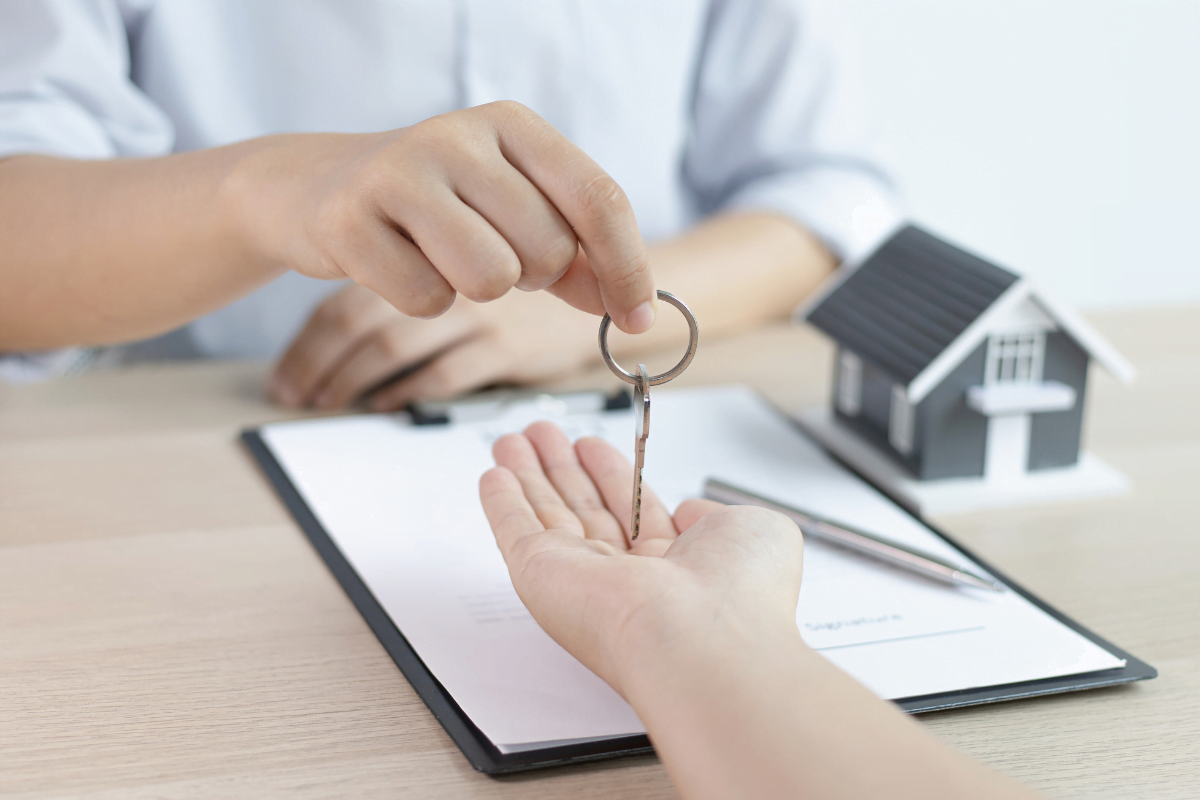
(918, 305)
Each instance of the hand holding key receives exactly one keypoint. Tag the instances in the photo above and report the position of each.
(642, 382)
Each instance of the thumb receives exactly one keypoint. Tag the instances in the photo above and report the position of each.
(580, 288)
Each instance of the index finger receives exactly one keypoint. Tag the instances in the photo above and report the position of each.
(507, 510)
(596, 208)
(339, 326)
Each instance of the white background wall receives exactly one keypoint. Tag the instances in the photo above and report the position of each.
(1058, 137)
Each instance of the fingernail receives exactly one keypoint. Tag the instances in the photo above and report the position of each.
(641, 318)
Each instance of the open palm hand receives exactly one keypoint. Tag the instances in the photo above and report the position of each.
(560, 514)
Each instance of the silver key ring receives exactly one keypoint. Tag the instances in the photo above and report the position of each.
(674, 372)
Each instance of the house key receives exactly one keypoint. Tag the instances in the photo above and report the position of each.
(641, 431)
(642, 382)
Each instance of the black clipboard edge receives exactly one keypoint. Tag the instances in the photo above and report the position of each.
(479, 750)
(486, 758)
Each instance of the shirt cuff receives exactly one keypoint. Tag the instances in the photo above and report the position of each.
(34, 367)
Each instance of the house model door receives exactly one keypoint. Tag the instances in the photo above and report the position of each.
(1012, 392)
(1013, 361)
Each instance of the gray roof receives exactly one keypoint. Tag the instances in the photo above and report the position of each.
(909, 301)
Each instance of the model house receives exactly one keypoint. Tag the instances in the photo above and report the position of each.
(955, 367)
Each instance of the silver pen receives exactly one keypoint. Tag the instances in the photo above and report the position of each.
(897, 555)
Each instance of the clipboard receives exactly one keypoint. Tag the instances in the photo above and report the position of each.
(486, 757)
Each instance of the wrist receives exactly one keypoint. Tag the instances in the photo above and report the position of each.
(276, 194)
(244, 199)
(718, 707)
(690, 657)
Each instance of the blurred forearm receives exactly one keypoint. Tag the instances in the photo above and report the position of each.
(95, 252)
(734, 271)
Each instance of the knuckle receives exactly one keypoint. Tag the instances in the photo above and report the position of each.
(431, 129)
(600, 199)
(433, 141)
(437, 380)
(556, 257)
(511, 109)
(432, 133)
(392, 346)
(492, 282)
(628, 276)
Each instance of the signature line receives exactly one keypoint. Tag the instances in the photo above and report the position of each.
(900, 638)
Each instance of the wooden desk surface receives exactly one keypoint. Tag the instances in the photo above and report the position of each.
(166, 630)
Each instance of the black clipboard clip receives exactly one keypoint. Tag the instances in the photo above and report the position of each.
(488, 405)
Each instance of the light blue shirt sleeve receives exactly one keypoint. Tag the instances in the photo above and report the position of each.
(698, 107)
(65, 86)
(778, 125)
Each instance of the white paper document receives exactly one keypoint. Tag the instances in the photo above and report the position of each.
(401, 502)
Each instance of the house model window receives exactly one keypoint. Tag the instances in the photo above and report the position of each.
(955, 367)
(1015, 358)
(849, 385)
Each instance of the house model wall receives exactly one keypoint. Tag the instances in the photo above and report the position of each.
(956, 367)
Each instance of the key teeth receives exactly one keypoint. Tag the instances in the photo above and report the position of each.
(637, 515)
